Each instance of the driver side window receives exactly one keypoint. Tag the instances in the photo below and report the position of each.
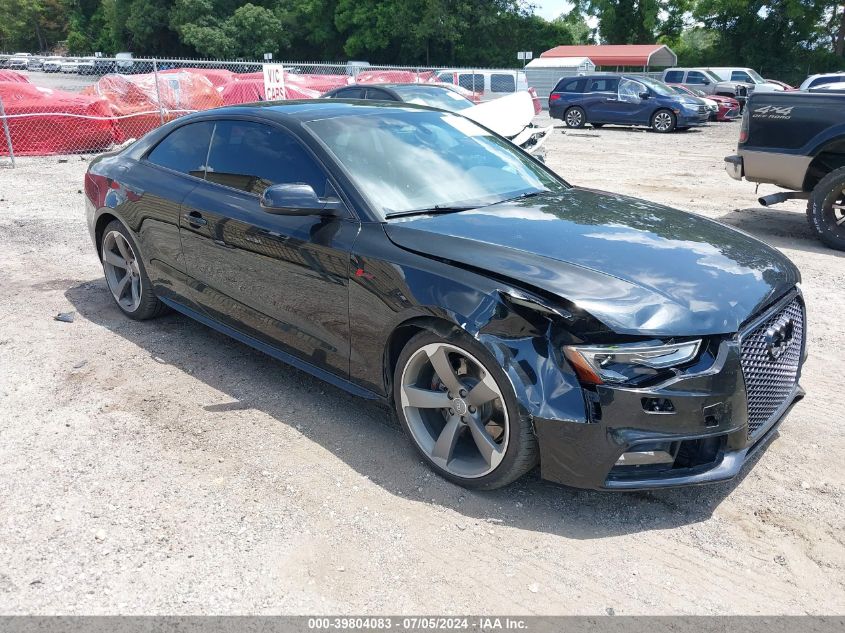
(629, 91)
(697, 78)
(252, 156)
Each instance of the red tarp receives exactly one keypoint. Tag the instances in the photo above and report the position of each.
(392, 76)
(217, 76)
(12, 76)
(320, 83)
(66, 122)
(251, 90)
(134, 100)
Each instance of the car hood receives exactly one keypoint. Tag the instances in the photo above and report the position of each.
(507, 115)
(639, 267)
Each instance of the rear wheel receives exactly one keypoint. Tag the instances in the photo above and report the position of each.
(826, 209)
(575, 117)
(459, 410)
(663, 121)
(126, 276)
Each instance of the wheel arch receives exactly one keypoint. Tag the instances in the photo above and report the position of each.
(827, 158)
(404, 332)
(103, 220)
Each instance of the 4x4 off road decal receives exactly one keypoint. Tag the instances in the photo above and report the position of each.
(772, 112)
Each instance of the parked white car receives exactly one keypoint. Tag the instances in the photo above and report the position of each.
(17, 63)
(823, 79)
(70, 65)
(53, 64)
(745, 75)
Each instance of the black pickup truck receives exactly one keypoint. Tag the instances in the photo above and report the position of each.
(796, 140)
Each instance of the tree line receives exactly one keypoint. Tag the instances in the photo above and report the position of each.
(786, 38)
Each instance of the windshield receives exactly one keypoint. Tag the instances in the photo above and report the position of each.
(657, 86)
(414, 160)
(756, 76)
(433, 96)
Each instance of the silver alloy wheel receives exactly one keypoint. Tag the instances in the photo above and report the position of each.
(574, 118)
(837, 208)
(455, 410)
(122, 272)
(662, 121)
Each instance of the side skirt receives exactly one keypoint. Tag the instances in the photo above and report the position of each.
(276, 353)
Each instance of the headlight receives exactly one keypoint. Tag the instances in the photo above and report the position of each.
(597, 364)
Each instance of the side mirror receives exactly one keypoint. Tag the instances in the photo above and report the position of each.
(298, 199)
(645, 95)
(706, 82)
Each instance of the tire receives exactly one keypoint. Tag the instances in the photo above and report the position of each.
(575, 117)
(826, 209)
(663, 121)
(483, 447)
(126, 275)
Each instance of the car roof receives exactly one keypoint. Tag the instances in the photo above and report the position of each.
(304, 110)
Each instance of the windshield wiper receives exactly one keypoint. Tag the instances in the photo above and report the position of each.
(431, 210)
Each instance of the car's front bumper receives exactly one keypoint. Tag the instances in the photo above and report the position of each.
(703, 437)
(687, 119)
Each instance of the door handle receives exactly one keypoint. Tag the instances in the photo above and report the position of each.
(195, 219)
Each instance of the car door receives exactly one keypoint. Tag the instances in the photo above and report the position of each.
(630, 107)
(155, 190)
(280, 278)
(697, 80)
(599, 99)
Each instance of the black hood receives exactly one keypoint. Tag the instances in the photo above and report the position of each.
(639, 267)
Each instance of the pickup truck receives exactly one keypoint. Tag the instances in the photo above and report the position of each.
(796, 140)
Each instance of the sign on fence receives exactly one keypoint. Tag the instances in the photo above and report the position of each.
(274, 81)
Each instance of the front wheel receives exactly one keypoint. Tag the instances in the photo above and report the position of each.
(459, 410)
(575, 117)
(663, 121)
(826, 209)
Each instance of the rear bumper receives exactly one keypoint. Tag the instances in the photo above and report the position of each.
(733, 165)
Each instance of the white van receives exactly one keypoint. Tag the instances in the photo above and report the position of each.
(489, 83)
(745, 75)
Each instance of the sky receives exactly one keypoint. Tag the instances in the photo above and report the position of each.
(550, 9)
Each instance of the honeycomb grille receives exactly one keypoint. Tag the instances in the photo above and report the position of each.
(771, 376)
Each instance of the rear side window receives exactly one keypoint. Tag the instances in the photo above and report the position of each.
(381, 95)
(500, 82)
(570, 85)
(826, 80)
(185, 149)
(471, 81)
(741, 75)
(251, 156)
(674, 77)
(605, 84)
(349, 93)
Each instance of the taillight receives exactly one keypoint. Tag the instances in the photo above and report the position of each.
(554, 97)
(96, 187)
(746, 123)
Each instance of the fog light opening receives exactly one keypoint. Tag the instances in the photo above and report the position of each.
(648, 455)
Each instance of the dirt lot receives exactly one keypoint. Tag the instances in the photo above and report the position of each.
(161, 468)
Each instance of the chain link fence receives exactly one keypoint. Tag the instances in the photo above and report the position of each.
(63, 105)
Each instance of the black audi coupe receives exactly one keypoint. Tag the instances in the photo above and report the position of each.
(409, 255)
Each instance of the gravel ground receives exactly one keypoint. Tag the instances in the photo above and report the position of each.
(160, 467)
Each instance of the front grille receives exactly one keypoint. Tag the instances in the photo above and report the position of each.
(702, 109)
(770, 378)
